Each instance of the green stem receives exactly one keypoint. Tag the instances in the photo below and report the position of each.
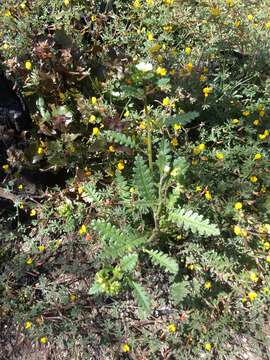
(149, 134)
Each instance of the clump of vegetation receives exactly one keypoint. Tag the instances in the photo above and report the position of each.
(153, 118)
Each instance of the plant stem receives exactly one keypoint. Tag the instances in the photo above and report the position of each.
(149, 134)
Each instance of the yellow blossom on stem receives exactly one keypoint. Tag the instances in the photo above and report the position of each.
(137, 4)
(29, 261)
(253, 277)
(207, 90)
(238, 205)
(252, 295)
(172, 328)
(41, 248)
(208, 195)
(246, 113)
(120, 165)
(66, 2)
(125, 348)
(257, 156)
(33, 212)
(28, 65)
(250, 17)
(5, 167)
(40, 150)
(253, 179)
(219, 156)
(111, 148)
(256, 122)
(150, 36)
(168, 2)
(198, 149)
(235, 121)
(83, 230)
(189, 67)
(43, 340)
(72, 297)
(207, 347)
(215, 11)
(188, 50)
(208, 285)
(161, 71)
(93, 100)
(95, 131)
(166, 101)
(28, 325)
(174, 142)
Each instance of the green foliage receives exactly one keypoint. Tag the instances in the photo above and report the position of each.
(142, 299)
(194, 222)
(179, 292)
(163, 260)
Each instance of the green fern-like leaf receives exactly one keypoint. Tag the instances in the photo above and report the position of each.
(164, 156)
(117, 243)
(181, 119)
(142, 299)
(90, 194)
(143, 180)
(163, 260)
(120, 138)
(190, 220)
(179, 291)
(122, 187)
(128, 263)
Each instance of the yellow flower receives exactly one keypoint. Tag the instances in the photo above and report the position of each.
(188, 50)
(202, 78)
(137, 4)
(5, 46)
(208, 195)
(111, 148)
(230, 2)
(126, 114)
(23, 5)
(166, 101)
(7, 13)
(237, 230)
(189, 67)
(246, 113)
(28, 325)
(253, 179)
(174, 142)
(250, 17)
(72, 297)
(215, 11)
(167, 28)
(172, 328)
(262, 113)
(177, 126)
(266, 290)
(95, 131)
(207, 347)
(132, 190)
(198, 149)
(92, 119)
(40, 150)
(33, 212)
(5, 167)
(237, 23)
(125, 348)
(235, 121)
(267, 25)
(198, 189)
(83, 230)
(257, 156)
(208, 285)
(20, 186)
(43, 340)
(266, 245)
(256, 122)
(207, 90)
(66, 2)
(150, 36)
(244, 299)
(28, 65)
(120, 165)
(253, 277)
(41, 248)
(29, 261)
(191, 267)
(150, 2)
(238, 206)
(21, 206)
(161, 71)
(93, 100)
(252, 295)
(168, 2)
(219, 156)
